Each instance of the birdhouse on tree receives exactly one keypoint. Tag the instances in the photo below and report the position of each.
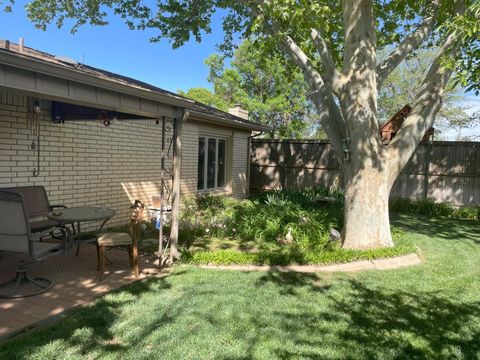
(389, 130)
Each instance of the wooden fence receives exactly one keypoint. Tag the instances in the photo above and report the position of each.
(443, 171)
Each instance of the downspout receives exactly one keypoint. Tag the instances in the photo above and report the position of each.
(249, 156)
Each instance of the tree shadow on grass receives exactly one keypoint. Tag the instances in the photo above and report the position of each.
(409, 325)
(372, 323)
(289, 282)
(450, 229)
(281, 315)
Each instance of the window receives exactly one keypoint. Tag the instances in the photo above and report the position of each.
(212, 156)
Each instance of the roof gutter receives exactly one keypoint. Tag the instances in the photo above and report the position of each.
(199, 116)
(43, 67)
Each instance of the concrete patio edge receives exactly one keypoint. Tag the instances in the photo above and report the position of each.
(377, 264)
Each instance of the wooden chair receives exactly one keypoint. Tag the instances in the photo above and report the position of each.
(117, 239)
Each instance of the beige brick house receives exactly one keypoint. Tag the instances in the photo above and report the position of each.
(53, 117)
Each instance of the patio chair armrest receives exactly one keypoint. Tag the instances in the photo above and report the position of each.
(57, 206)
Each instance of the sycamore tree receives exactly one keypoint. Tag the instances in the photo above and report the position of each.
(335, 45)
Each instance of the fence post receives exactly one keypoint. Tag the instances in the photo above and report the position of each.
(284, 165)
(426, 173)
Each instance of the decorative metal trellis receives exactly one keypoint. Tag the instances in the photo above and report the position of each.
(168, 136)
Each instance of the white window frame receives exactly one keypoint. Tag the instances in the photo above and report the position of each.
(205, 163)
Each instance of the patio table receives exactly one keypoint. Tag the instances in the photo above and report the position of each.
(77, 215)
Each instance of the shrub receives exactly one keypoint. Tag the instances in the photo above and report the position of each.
(264, 220)
(428, 207)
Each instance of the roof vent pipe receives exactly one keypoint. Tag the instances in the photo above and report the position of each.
(7, 45)
(21, 43)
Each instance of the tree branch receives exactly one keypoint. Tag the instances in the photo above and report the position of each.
(427, 103)
(360, 40)
(330, 116)
(332, 74)
(410, 43)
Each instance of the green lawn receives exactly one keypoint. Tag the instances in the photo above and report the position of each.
(427, 311)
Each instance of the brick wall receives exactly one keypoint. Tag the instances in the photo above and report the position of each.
(188, 174)
(84, 163)
(239, 163)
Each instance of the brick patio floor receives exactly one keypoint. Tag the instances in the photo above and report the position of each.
(77, 283)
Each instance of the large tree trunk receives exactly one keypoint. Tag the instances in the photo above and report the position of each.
(366, 222)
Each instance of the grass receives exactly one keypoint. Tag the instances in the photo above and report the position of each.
(430, 311)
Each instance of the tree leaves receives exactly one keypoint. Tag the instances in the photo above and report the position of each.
(467, 64)
(271, 89)
(94, 12)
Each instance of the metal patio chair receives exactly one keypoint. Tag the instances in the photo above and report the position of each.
(16, 240)
(38, 206)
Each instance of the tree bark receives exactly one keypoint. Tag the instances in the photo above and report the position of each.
(366, 222)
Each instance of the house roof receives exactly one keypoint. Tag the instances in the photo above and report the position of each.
(201, 111)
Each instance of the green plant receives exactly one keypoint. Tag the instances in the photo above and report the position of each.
(294, 255)
(428, 207)
(266, 218)
(263, 222)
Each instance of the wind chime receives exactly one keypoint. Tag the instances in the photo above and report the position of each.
(33, 124)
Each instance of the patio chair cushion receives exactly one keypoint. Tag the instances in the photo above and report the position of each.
(41, 225)
(114, 239)
(39, 248)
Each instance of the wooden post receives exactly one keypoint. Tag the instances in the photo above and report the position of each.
(427, 168)
(177, 164)
(283, 170)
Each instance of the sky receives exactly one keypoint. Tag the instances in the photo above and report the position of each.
(471, 105)
(116, 48)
